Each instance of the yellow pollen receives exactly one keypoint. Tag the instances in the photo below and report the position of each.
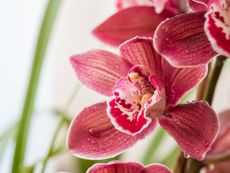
(145, 98)
(133, 75)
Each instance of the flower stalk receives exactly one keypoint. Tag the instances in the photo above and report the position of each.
(38, 59)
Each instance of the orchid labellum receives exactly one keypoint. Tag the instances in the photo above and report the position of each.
(143, 89)
(195, 38)
(129, 167)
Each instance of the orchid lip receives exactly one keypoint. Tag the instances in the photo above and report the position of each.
(131, 104)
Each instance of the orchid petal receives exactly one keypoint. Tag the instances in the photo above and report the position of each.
(139, 50)
(132, 99)
(221, 146)
(156, 168)
(130, 167)
(198, 5)
(127, 23)
(177, 38)
(99, 70)
(222, 167)
(178, 81)
(217, 26)
(194, 126)
(121, 4)
(92, 136)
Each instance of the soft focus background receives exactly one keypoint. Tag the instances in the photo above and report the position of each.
(20, 22)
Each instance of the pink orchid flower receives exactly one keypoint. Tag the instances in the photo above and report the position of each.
(172, 5)
(129, 167)
(129, 22)
(143, 89)
(221, 146)
(194, 39)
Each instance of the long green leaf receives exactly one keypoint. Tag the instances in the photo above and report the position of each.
(171, 158)
(153, 146)
(6, 136)
(39, 56)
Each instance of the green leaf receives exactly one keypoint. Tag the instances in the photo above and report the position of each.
(38, 59)
(171, 158)
(5, 138)
(153, 146)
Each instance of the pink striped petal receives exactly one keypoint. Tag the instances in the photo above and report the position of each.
(99, 70)
(127, 23)
(221, 146)
(217, 26)
(178, 81)
(139, 50)
(182, 40)
(156, 168)
(92, 136)
(116, 167)
(121, 4)
(198, 5)
(128, 167)
(194, 126)
(222, 167)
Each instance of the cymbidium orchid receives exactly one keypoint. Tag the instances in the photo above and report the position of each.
(195, 38)
(143, 89)
(136, 18)
(172, 5)
(129, 167)
(221, 146)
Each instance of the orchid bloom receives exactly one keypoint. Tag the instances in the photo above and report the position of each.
(221, 146)
(129, 167)
(160, 5)
(143, 89)
(130, 22)
(194, 39)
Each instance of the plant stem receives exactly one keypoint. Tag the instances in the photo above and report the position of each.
(217, 159)
(214, 78)
(59, 127)
(154, 145)
(39, 56)
(180, 164)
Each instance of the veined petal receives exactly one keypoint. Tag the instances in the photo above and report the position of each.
(121, 4)
(221, 146)
(182, 40)
(156, 168)
(99, 70)
(198, 5)
(178, 81)
(194, 126)
(222, 167)
(130, 22)
(92, 135)
(116, 167)
(217, 26)
(139, 50)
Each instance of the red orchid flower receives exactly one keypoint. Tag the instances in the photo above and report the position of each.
(172, 5)
(129, 22)
(194, 39)
(129, 167)
(221, 146)
(149, 93)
